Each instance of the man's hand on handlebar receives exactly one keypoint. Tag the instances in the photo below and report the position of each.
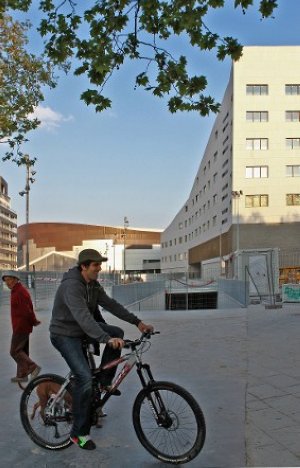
(144, 328)
(116, 343)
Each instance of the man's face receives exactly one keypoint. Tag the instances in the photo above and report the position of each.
(10, 281)
(91, 272)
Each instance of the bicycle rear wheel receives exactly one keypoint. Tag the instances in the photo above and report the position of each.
(169, 423)
(47, 427)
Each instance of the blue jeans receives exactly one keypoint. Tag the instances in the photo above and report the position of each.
(71, 350)
(109, 354)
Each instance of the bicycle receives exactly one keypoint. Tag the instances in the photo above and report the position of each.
(167, 420)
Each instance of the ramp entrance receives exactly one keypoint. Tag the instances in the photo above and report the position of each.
(196, 300)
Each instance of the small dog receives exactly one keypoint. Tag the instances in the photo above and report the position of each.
(44, 391)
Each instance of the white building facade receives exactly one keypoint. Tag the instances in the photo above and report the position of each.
(8, 230)
(246, 193)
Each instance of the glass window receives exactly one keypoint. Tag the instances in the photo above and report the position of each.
(293, 199)
(257, 89)
(257, 143)
(257, 116)
(292, 116)
(249, 173)
(256, 172)
(256, 201)
(292, 171)
(292, 89)
(292, 143)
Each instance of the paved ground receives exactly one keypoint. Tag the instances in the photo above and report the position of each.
(242, 366)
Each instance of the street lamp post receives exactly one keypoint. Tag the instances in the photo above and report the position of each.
(29, 180)
(126, 224)
(114, 247)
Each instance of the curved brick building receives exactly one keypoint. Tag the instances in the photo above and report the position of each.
(55, 246)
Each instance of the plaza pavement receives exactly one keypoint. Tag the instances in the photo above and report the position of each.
(242, 366)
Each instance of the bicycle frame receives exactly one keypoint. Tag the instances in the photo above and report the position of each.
(130, 359)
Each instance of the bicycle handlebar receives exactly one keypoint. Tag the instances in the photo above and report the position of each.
(134, 343)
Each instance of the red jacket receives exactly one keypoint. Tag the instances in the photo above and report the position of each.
(22, 315)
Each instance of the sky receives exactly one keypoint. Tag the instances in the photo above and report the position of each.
(135, 159)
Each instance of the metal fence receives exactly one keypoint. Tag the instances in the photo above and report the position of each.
(178, 290)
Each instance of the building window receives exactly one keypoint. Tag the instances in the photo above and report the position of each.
(257, 89)
(292, 143)
(292, 171)
(225, 149)
(255, 201)
(214, 220)
(224, 221)
(170, 243)
(224, 187)
(292, 89)
(225, 126)
(225, 173)
(215, 198)
(256, 172)
(226, 117)
(292, 116)
(215, 156)
(257, 116)
(257, 143)
(215, 177)
(225, 163)
(293, 199)
(180, 225)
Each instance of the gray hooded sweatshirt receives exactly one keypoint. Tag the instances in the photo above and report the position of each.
(76, 303)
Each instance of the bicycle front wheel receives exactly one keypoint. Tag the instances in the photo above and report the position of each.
(47, 424)
(169, 423)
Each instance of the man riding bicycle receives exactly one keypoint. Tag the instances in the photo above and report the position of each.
(75, 316)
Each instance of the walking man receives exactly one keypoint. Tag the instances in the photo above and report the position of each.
(23, 319)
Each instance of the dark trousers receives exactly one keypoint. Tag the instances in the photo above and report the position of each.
(19, 351)
(71, 350)
(109, 353)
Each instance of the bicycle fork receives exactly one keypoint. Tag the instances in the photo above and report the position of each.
(154, 398)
